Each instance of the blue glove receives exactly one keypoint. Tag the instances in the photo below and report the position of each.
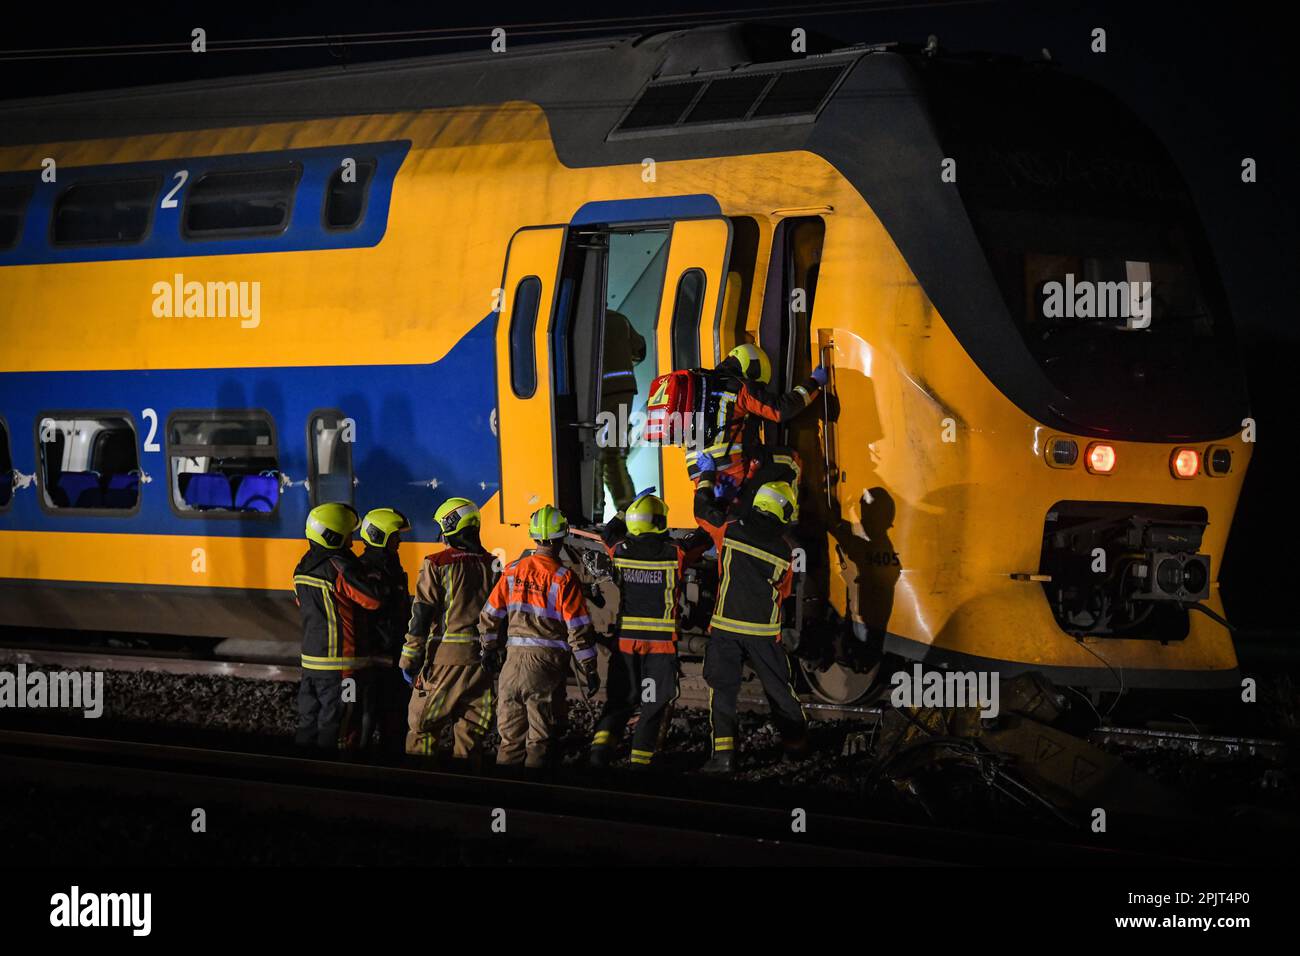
(407, 676)
(725, 486)
(705, 464)
(820, 375)
(641, 494)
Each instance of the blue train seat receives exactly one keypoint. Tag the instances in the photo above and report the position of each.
(204, 491)
(80, 489)
(121, 491)
(257, 493)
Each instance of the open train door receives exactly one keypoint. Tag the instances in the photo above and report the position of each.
(524, 382)
(689, 329)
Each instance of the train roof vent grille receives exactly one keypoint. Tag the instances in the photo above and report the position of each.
(757, 96)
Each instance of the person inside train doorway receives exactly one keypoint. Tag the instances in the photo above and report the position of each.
(381, 535)
(648, 566)
(738, 401)
(541, 604)
(451, 685)
(754, 577)
(333, 593)
(624, 348)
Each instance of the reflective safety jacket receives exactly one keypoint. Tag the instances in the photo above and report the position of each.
(388, 624)
(449, 596)
(542, 604)
(624, 347)
(733, 409)
(754, 570)
(333, 593)
(648, 569)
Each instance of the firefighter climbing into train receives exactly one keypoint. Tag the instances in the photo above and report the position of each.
(441, 656)
(540, 606)
(649, 566)
(623, 348)
(755, 562)
(334, 592)
(734, 399)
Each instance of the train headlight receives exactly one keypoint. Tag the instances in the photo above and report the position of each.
(1185, 463)
(1062, 453)
(1101, 458)
(1218, 461)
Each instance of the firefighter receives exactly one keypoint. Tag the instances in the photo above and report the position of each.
(754, 577)
(451, 684)
(624, 347)
(541, 604)
(381, 535)
(738, 398)
(333, 593)
(648, 566)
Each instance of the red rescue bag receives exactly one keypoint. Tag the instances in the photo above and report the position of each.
(674, 400)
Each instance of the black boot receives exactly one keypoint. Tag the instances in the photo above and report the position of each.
(724, 762)
(599, 757)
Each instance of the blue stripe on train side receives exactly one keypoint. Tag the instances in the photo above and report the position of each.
(415, 424)
(164, 240)
(646, 210)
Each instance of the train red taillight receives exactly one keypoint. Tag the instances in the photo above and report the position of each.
(1101, 458)
(1185, 463)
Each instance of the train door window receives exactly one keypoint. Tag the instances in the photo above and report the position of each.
(245, 202)
(687, 308)
(103, 213)
(223, 462)
(732, 321)
(88, 461)
(607, 340)
(523, 335)
(13, 212)
(6, 468)
(346, 195)
(329, 449)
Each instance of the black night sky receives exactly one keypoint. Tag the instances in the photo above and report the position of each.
(1215, 81)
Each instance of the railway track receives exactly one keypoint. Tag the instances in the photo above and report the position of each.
(706, 827)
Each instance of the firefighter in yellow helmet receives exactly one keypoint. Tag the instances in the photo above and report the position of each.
(333, 593)
(451, 684)
(738, 400)
(648, 567)
(754, 578)
(381, 535)
(539, 604)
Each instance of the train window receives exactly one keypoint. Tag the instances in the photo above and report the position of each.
(685, 329)
(13, 210)
(661, 105)
(113, 212)
(88, 461)
(246, 202)
(523, 328)
(329, 449)
(345, 201)
(731, 325)
(6, 468)
(728, 99)
(799, 91)
(223, 463)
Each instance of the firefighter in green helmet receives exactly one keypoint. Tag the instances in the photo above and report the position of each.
(333, 593)
(441, 656)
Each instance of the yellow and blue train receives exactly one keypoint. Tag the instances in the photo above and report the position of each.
(222, 302)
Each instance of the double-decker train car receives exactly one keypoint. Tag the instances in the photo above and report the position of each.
(224, 302)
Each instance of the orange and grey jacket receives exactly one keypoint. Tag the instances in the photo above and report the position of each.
(451, 591)
(333, 592)
(754, 569)
(734, 408)
(542, 605)
(648, 569)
